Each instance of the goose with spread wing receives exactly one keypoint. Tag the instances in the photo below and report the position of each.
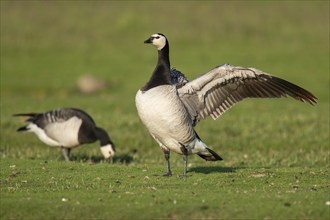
(67, 128)
(170, 106)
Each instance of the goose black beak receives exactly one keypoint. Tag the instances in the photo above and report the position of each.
(148, 41)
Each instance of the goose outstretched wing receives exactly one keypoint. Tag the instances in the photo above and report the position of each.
(216, 91)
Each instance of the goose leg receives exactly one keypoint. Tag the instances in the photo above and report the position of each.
(185, 159)
(66, 153)
(167, 158)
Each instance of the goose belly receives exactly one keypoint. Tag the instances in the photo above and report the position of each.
(165, 116)
(65, 133)
(41, 134)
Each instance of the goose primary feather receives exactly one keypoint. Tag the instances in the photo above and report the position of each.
(170, 106)
(67, 128)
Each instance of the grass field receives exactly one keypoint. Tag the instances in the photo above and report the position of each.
(276, 152)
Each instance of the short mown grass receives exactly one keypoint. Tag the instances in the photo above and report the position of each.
(276, 152)
(53, 189)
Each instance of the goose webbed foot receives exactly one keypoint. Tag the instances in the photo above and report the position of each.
(168, 174)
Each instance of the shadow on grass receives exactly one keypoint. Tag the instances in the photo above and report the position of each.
(206, 170)
(213, 169)
(126, 158)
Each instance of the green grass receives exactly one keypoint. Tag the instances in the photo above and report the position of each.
(276, 152)
(120, 192)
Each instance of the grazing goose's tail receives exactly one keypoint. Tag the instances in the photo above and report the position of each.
(30, 115)
(26, 114)
(24, 128)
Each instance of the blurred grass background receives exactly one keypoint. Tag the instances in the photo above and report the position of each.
(47, 45)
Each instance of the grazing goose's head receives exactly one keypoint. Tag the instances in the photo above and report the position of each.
(159, 40)
(108, 150)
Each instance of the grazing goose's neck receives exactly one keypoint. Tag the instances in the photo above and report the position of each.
(102, 136)
(107, 146)
(161, 74)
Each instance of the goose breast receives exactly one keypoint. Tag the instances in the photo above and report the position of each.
(165, 116)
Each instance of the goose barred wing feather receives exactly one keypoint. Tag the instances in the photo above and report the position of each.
(216, 91)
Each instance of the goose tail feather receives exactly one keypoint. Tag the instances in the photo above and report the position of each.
(213, 156)
(24, 128)
(26, 114)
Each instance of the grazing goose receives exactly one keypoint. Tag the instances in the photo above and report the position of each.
(170, 112)
(67, 128)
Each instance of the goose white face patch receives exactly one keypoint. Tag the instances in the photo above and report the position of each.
(107, 151)
(159, 41)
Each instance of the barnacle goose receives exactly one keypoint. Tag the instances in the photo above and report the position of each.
(170, 112)
(67, 128)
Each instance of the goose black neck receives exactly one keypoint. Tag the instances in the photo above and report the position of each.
(103, 137)
(161, 74)
(164, 55)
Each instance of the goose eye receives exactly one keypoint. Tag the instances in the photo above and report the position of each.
(157, 37)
